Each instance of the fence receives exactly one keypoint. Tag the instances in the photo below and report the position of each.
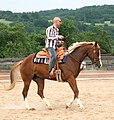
(107, 60)
(7, 63)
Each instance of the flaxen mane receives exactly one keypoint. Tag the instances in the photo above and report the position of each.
(78, 44)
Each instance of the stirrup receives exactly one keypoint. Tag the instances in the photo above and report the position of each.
(58, 75)
(51, 74)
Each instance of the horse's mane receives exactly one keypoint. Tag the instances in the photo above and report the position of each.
(77, 45)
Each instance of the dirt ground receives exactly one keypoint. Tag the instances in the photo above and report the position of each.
(96, 93)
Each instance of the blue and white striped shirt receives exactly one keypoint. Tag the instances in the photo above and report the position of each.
(52, 33)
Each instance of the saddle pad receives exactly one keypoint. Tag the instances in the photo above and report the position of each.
(63, 60)
(46, 60)
(40, 60)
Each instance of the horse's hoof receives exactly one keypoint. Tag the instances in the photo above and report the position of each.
(31, 109)
(67, 106)
(81, 107)
(50, 108)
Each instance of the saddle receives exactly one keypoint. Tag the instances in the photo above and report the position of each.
(60, 52)
(44, 53)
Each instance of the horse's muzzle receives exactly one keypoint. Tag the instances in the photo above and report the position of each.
(98, 64)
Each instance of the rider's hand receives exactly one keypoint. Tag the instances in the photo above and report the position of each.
(61, 37)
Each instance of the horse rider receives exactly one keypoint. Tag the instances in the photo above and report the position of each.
(52, 39)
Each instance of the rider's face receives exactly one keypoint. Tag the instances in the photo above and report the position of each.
(58, 23)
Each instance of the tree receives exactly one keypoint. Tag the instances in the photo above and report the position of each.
(12, 41)
(96, 33)
(68, 29)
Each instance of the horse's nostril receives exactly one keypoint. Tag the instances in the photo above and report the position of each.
(98, 64)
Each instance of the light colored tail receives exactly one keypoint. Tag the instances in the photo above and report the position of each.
(14, 75)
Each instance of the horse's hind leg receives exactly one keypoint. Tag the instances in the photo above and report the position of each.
(73, 85)
(25, 91)
(40, 84)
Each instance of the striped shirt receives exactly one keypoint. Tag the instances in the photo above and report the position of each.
(52, 36)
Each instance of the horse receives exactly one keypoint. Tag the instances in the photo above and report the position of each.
(70, 70)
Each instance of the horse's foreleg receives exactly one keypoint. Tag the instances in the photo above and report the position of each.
(73, 85)
(40, 83)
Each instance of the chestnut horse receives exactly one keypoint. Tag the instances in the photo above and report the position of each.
(70, 70)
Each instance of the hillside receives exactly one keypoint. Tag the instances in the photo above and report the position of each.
(35, 21)
(91, 23)
(91, 14)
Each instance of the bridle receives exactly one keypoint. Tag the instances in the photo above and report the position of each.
(92, 52)
(90, 49)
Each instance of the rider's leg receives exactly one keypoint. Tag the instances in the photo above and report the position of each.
(53, 58)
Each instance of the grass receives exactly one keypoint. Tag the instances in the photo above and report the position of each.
(6, 22)
(102, 24)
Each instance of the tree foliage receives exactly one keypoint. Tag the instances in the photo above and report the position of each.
(16, 42)
(24, 33)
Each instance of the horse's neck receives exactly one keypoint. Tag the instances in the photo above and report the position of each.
(80, 53)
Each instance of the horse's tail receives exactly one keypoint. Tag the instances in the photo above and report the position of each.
(14, 75)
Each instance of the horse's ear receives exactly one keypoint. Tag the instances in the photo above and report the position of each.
(95, 44)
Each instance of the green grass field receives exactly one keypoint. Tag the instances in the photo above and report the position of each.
(5, 21)
(102, 24)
